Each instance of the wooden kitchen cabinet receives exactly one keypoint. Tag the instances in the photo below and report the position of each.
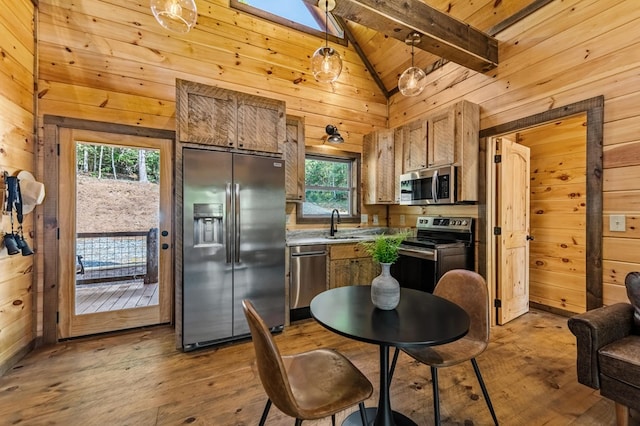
(349, 264)
(414, 146)
(378, 168)
(219, 117)
(454, 140)
(294, 159)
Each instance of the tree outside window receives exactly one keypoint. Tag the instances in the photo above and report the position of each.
(331, 182)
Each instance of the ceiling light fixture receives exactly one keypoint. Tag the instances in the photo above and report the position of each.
(326, 64)
(175, 15)
(413, 80)
(334, 135)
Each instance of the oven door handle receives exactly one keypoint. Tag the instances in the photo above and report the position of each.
(427, 254)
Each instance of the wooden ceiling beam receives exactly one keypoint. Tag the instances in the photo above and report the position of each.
(442, 35)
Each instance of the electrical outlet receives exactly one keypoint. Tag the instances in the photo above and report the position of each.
(402, 220)
(375, 219)
(617, 223)
(364, 218)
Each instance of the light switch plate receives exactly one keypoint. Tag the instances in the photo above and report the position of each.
(375, 219)
(402, 220)
(364, 218)
(617, 223)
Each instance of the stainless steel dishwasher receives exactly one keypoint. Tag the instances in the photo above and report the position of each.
(308, 277)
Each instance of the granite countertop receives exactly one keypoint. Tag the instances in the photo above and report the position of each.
(347, 235)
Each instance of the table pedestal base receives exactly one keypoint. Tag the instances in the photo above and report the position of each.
(354, 418)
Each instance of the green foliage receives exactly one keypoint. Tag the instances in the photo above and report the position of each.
(384, 248)
(100, 160)
(327, 183)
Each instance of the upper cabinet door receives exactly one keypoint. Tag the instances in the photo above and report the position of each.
(261, 124)
(442, 138)
(294, 151)
(213, 116)
(206, 115)
(414, 143)
(378, 168)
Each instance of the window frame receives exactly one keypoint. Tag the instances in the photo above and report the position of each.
(356, 201)
(333, 21)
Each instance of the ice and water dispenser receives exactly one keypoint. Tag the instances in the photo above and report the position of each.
(207, 225)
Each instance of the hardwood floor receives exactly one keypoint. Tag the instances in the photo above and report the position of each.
(140, 378)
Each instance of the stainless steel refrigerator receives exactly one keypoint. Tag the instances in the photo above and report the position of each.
(233, 244)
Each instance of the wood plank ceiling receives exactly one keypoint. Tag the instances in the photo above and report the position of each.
(379, 28)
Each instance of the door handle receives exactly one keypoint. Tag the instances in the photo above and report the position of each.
(434, 187)
(227, 223)
(237, 222)
(529, 238)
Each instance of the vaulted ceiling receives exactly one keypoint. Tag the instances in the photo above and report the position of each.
(453, 30)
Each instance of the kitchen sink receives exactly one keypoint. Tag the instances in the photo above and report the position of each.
(350, 237)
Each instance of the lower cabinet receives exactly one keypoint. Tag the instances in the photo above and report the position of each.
(349, 264)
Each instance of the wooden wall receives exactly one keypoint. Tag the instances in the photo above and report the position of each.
(17, 153)
(557, 255)
(96, 65)
(566, 52)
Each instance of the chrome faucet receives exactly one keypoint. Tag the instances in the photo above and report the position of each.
(334, 225)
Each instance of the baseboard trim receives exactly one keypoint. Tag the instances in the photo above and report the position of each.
(551, 309)
(15, 358)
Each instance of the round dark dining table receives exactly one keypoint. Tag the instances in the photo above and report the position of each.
(419, 319)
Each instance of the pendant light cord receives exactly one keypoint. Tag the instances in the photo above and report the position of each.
(326, 23)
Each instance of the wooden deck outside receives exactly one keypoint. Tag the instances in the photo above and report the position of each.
(91, 298)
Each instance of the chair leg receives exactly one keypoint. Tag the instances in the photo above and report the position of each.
(363, 414)
(393, 365)
(265, 412)
(436, 395)
(484, 390)
(298, 422)
(333, 420)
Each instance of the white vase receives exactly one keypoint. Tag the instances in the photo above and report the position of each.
(385, 290)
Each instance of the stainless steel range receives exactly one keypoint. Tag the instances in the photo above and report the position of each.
(441, 244)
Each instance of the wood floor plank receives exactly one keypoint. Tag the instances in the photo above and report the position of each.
(140, 378)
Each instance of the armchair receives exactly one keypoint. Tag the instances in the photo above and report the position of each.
(608, 351)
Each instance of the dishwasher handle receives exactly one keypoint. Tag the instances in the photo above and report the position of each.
(309, 253)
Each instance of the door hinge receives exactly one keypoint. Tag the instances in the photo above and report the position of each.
(58, 149)
(497, 158)
(497, 230)
(497, 303)
(58, 233)
(57, 317)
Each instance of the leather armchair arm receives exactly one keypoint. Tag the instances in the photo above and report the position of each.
(595, 329)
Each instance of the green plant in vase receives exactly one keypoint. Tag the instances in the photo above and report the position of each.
(385, 290)
(384, 248)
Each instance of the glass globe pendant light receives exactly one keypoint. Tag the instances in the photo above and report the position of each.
(413, 80)
(175, 15)
(326, 64)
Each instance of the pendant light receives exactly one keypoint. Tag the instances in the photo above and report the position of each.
(175, 15)
(326, 64)
(334, 136)
(413, 80)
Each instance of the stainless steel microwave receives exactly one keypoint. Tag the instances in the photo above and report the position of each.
(429, 186)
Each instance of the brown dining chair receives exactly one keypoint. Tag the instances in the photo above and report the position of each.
(309, 385)
(468, 290)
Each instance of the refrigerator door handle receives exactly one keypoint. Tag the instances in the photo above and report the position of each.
(237, 222)
(227, 223)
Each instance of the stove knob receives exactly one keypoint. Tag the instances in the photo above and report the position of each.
(455, 222)
(464, 223)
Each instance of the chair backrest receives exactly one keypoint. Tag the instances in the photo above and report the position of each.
(273, 375)
(468, 290)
